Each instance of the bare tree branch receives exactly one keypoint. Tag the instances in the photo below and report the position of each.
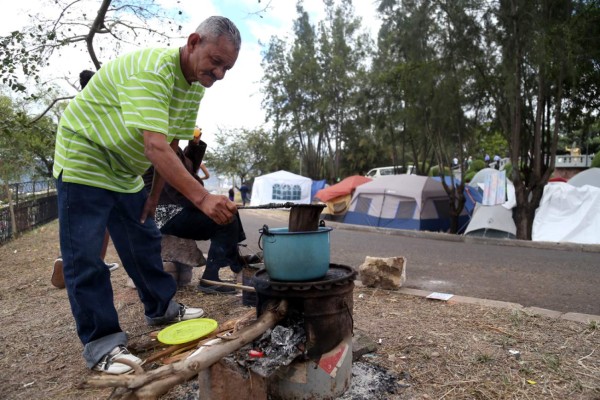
(63, 12)
(97, 25)
(33, 121)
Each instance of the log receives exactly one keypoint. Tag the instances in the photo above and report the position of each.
(154, 383)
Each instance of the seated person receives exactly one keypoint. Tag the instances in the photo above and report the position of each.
(176, 216)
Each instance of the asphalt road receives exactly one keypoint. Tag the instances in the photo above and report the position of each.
(566, 280)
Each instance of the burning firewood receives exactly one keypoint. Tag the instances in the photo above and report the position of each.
(152, 384)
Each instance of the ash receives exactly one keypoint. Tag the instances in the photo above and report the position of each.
(280, 346)
(370, 381)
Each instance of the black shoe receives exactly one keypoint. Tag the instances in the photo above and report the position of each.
(250, 258)
(214, 289)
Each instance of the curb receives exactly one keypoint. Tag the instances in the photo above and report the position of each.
(569, 316)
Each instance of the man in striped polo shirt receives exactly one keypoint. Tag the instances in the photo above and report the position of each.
(131, 115)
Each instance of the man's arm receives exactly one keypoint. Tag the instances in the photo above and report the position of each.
(204, 171)
(169, 167)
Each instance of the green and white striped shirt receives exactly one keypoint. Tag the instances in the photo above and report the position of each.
(100, 141)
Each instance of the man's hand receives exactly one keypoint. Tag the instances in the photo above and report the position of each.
(149, 209)
(218, 208)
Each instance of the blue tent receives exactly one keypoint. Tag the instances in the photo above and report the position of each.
(472, 195)
(402, 202)
(316, 186)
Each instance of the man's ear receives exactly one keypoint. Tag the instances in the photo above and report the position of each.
(194, 39)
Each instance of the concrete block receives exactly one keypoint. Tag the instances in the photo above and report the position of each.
(182, 251)
(384, 273)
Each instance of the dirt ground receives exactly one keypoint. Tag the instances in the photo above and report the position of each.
(437, 350)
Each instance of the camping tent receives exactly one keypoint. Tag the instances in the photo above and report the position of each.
(472, 195)
(346, 186)
(590, 176)
(315, 187)
(281, 187)
(338, 196)
(568, 214)
(401, 202)
(492, 221)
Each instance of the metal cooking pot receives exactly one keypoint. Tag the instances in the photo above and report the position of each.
(295, 256)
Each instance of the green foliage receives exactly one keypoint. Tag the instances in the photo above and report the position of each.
(245, 154)
(436, 171)
(310, 90)
(469, 175)
(491, 142)
(477, 165)
(16, 142)
(508, 167)
(596, 160)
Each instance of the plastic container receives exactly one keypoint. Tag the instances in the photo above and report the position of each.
(295, 256)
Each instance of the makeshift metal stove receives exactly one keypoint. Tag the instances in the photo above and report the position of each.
(322, 311)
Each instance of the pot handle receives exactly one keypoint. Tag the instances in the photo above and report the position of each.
(263, 231)
(350, 315)
(322, 223)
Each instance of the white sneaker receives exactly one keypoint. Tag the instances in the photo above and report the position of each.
(110, 362)
(186, 313)
(112, 266)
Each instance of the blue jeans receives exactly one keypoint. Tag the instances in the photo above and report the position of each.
(191, 223)
(84, 212)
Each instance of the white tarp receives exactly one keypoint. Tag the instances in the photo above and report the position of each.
(281, 187)
(495, 184)
(568, 214)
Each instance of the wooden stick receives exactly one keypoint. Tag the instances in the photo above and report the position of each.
(226, 284)
(171, 350)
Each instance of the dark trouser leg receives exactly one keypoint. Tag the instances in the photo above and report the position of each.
(191, 223)
(138, 246)
(83, 212)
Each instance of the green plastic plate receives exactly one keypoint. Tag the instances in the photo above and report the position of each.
(187, 331)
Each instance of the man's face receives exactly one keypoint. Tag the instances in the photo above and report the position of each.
(209, 60)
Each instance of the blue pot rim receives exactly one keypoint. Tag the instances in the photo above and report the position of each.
(277, 231)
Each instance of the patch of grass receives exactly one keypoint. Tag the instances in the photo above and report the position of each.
(507, 342)
(552, 361)
(593, 326)
(484, 358)
(516, 318)
(525, 370)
